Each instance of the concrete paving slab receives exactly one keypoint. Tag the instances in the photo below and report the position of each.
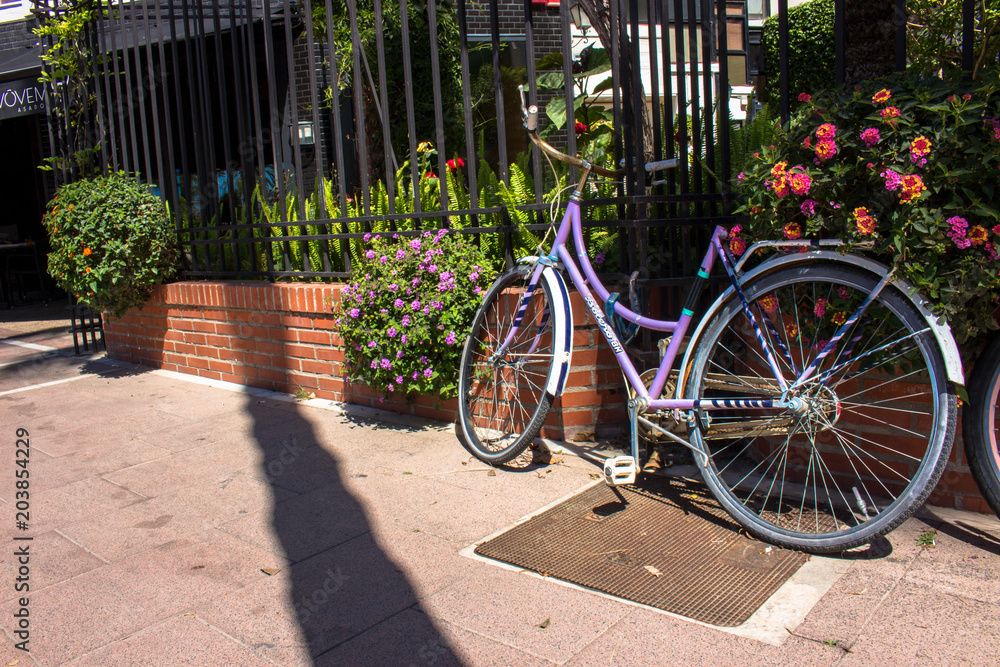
(157, 521)
(645, 636)
(180, 640)
(79, 615)
(59, 559)
(923, 626)
(54, 472)
(551, 622)
(86, 500)
(412, 638)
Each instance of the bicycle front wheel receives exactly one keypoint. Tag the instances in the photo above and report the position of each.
(503, 400)
(870, 434)
(979, 424)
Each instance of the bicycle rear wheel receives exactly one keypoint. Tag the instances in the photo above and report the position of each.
(875, 422)
(980, 425)
(502, 400)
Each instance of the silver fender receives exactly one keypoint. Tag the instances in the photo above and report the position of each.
(941, 330)
(562, 330)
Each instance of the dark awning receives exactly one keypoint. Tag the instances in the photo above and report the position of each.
(20, 63)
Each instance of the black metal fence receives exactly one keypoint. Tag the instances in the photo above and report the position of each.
(279, 132)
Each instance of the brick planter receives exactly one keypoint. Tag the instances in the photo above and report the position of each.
(281, 337)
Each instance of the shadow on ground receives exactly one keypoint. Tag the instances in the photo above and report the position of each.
(345, 590)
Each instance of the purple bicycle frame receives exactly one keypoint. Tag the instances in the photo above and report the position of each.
(571, 222)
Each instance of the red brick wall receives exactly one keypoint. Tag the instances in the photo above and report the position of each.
(281, 337)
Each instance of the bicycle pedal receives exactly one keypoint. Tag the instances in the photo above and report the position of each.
(619, 470)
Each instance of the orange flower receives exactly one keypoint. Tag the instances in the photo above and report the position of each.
(87, 270)
(87, 252)
(977, 235)
(882, 96)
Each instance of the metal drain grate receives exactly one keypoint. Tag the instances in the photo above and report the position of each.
(671, 547)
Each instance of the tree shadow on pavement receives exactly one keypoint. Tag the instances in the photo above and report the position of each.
(352, 602)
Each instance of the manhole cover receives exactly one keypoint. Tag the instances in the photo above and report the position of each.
(669, 545)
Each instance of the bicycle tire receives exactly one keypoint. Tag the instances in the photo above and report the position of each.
(503, 405)
(979, 424)
(854, 463)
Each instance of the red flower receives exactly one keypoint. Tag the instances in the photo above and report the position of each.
(805, 97)
(430, 174)
(580, 128)
(457, 163)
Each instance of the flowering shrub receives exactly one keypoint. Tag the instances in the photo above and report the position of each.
(908, 167)
(111, 242)
(406, 314)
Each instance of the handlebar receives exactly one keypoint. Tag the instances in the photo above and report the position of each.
(529, 115)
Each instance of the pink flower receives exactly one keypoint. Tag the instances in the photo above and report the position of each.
(870, 136)
(892, 179)
(799, 182)
(826, 131)
(805, 97)
(808, 207)
(865, 221)
(737, 245)
(819, 309)
(826, 149)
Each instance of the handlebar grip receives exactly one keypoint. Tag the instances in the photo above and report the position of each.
(531, 118)
(662, 164)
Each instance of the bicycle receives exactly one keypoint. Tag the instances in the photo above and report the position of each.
(980, 425)
(807, 429)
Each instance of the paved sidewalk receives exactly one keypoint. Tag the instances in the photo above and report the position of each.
(174, 522)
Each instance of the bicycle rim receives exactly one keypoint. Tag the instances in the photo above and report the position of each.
(502, 397)
(875, 424)
(980, 425)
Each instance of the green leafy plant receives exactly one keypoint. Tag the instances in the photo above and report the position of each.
(592, 122)
(903, 168)
(811, 41)
(112, 241)
(406, 314)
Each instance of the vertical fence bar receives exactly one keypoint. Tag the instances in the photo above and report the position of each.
(532, 74)
(839, 38)
(900, 17)
(567, 64)
(411, 120)
(471, 154)
(389, 168)
(293, 123)
(338, 134)
(126, 101)
(104, 28)
(258, 126)
(240, 98)
(783, 55)
(722, 19)
(222, 87)
(721, 98)
(317, 145)
(498, 87)
(138, 98)
(276, 134)
(438, 120)
(359, 111)
(969, 34)
(150, 84)
(97, 120)
(168, 181)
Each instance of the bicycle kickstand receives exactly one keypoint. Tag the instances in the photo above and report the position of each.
(621, 470)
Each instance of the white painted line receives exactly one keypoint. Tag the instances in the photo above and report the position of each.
(24, 361)
(30, 346)
(46, 384)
